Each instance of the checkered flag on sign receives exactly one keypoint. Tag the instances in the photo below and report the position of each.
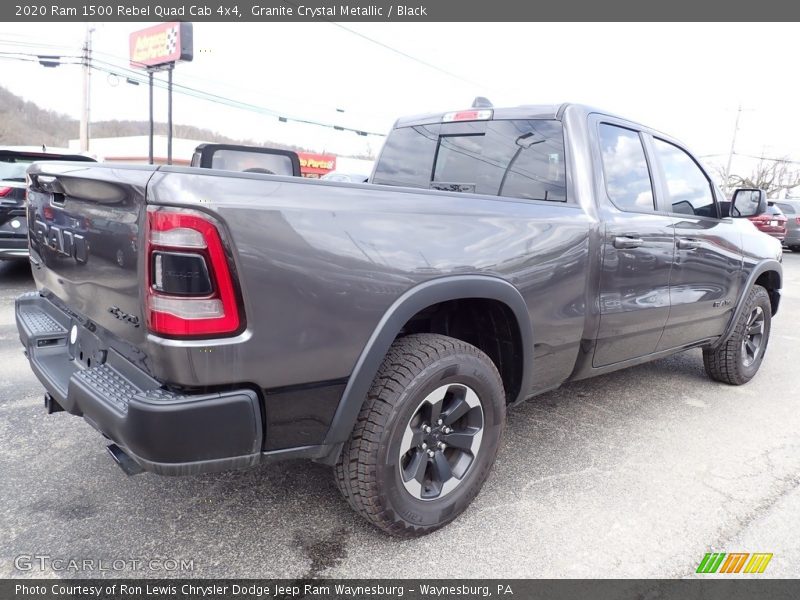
(172, 39)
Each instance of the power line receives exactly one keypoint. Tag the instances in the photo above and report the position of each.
(409, 56)
(784, 160)
(66, 48)
(40, 58)
(242, 88)
(396, 51)
(211, 97)
(129, 74)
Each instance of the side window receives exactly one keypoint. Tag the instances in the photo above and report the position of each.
(627, 177)
(689, 189)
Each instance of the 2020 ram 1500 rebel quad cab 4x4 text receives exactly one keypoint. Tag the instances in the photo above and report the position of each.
(384, 329)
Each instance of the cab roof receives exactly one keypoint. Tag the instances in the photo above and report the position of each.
(528, 111)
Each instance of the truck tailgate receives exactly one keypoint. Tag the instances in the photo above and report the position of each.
(86, 224)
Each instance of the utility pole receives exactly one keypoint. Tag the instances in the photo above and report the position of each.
(87, 74)
(730, 154)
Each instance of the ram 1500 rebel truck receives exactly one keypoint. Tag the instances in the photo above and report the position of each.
(383, 328)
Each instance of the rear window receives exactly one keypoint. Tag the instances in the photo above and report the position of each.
(252, 162)
(511, 158)
(772, 209)
(11, 170)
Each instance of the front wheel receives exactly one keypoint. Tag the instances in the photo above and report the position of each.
(426, 437)
(738, 359)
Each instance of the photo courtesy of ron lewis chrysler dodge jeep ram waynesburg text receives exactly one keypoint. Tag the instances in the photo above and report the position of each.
(383, 328)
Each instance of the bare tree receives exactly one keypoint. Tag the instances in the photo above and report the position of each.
(770, 175)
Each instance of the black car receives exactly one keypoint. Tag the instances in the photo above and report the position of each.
(14, 162)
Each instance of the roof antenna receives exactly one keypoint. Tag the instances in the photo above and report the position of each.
(481, 102)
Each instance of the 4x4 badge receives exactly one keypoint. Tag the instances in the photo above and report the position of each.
(123, 316)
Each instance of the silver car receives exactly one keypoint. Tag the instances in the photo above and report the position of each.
(791, 208)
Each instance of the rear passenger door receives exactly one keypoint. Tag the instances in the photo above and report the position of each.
(705, 275)
(637, 249)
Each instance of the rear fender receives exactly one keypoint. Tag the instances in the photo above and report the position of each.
(410, 303)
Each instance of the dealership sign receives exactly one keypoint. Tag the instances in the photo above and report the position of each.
(161, 44)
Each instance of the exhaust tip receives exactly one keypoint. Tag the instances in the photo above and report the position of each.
(126, 463)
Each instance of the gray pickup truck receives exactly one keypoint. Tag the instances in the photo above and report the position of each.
(383, 328)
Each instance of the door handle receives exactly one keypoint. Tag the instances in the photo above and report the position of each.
(627, 241)
(688, 244)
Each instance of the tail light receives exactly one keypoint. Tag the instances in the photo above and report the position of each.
(5, 191)
(797, 220)
(190, 290)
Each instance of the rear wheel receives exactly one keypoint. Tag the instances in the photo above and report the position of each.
(738, 359)
(426, 436)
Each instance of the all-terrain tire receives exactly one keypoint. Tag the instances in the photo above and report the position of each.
(733, 362)
(370, 470)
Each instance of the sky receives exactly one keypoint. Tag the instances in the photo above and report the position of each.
(687, 80)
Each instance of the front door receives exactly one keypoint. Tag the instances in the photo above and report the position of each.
(705, 276)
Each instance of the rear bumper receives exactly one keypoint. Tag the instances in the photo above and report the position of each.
(163, 431)
(792, 237)
(13, 235)
(777, 233)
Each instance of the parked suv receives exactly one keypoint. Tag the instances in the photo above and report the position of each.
(791, 208)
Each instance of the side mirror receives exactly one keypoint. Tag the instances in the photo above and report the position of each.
(747, 202)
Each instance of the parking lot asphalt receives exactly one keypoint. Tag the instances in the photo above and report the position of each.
(633, 474)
